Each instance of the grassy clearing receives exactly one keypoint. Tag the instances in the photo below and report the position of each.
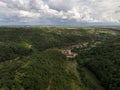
(92, 78)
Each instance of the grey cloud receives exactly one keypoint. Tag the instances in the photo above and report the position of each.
(76, 10)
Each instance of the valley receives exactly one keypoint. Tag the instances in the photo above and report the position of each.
(59, 58)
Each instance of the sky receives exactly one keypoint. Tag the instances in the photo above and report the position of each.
(59, 12)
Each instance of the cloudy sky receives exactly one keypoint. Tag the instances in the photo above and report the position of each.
(59, 12)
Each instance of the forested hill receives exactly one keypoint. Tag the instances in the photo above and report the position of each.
(104, 62)
(30, 58)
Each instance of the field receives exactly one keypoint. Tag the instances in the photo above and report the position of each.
(30, 58)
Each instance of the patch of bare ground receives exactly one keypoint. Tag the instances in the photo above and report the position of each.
(72, 28)
(49, 86)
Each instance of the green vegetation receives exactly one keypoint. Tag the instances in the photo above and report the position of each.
(30, 58)
(104, 62)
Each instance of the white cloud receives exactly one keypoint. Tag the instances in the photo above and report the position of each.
(28, 14)
(76, 10)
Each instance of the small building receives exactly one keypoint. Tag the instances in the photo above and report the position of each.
(80, 45)
(85, 44)
(69, 54)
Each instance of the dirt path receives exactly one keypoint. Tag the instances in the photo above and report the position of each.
(49, 86)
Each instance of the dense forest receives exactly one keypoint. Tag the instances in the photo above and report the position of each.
(30, 58)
